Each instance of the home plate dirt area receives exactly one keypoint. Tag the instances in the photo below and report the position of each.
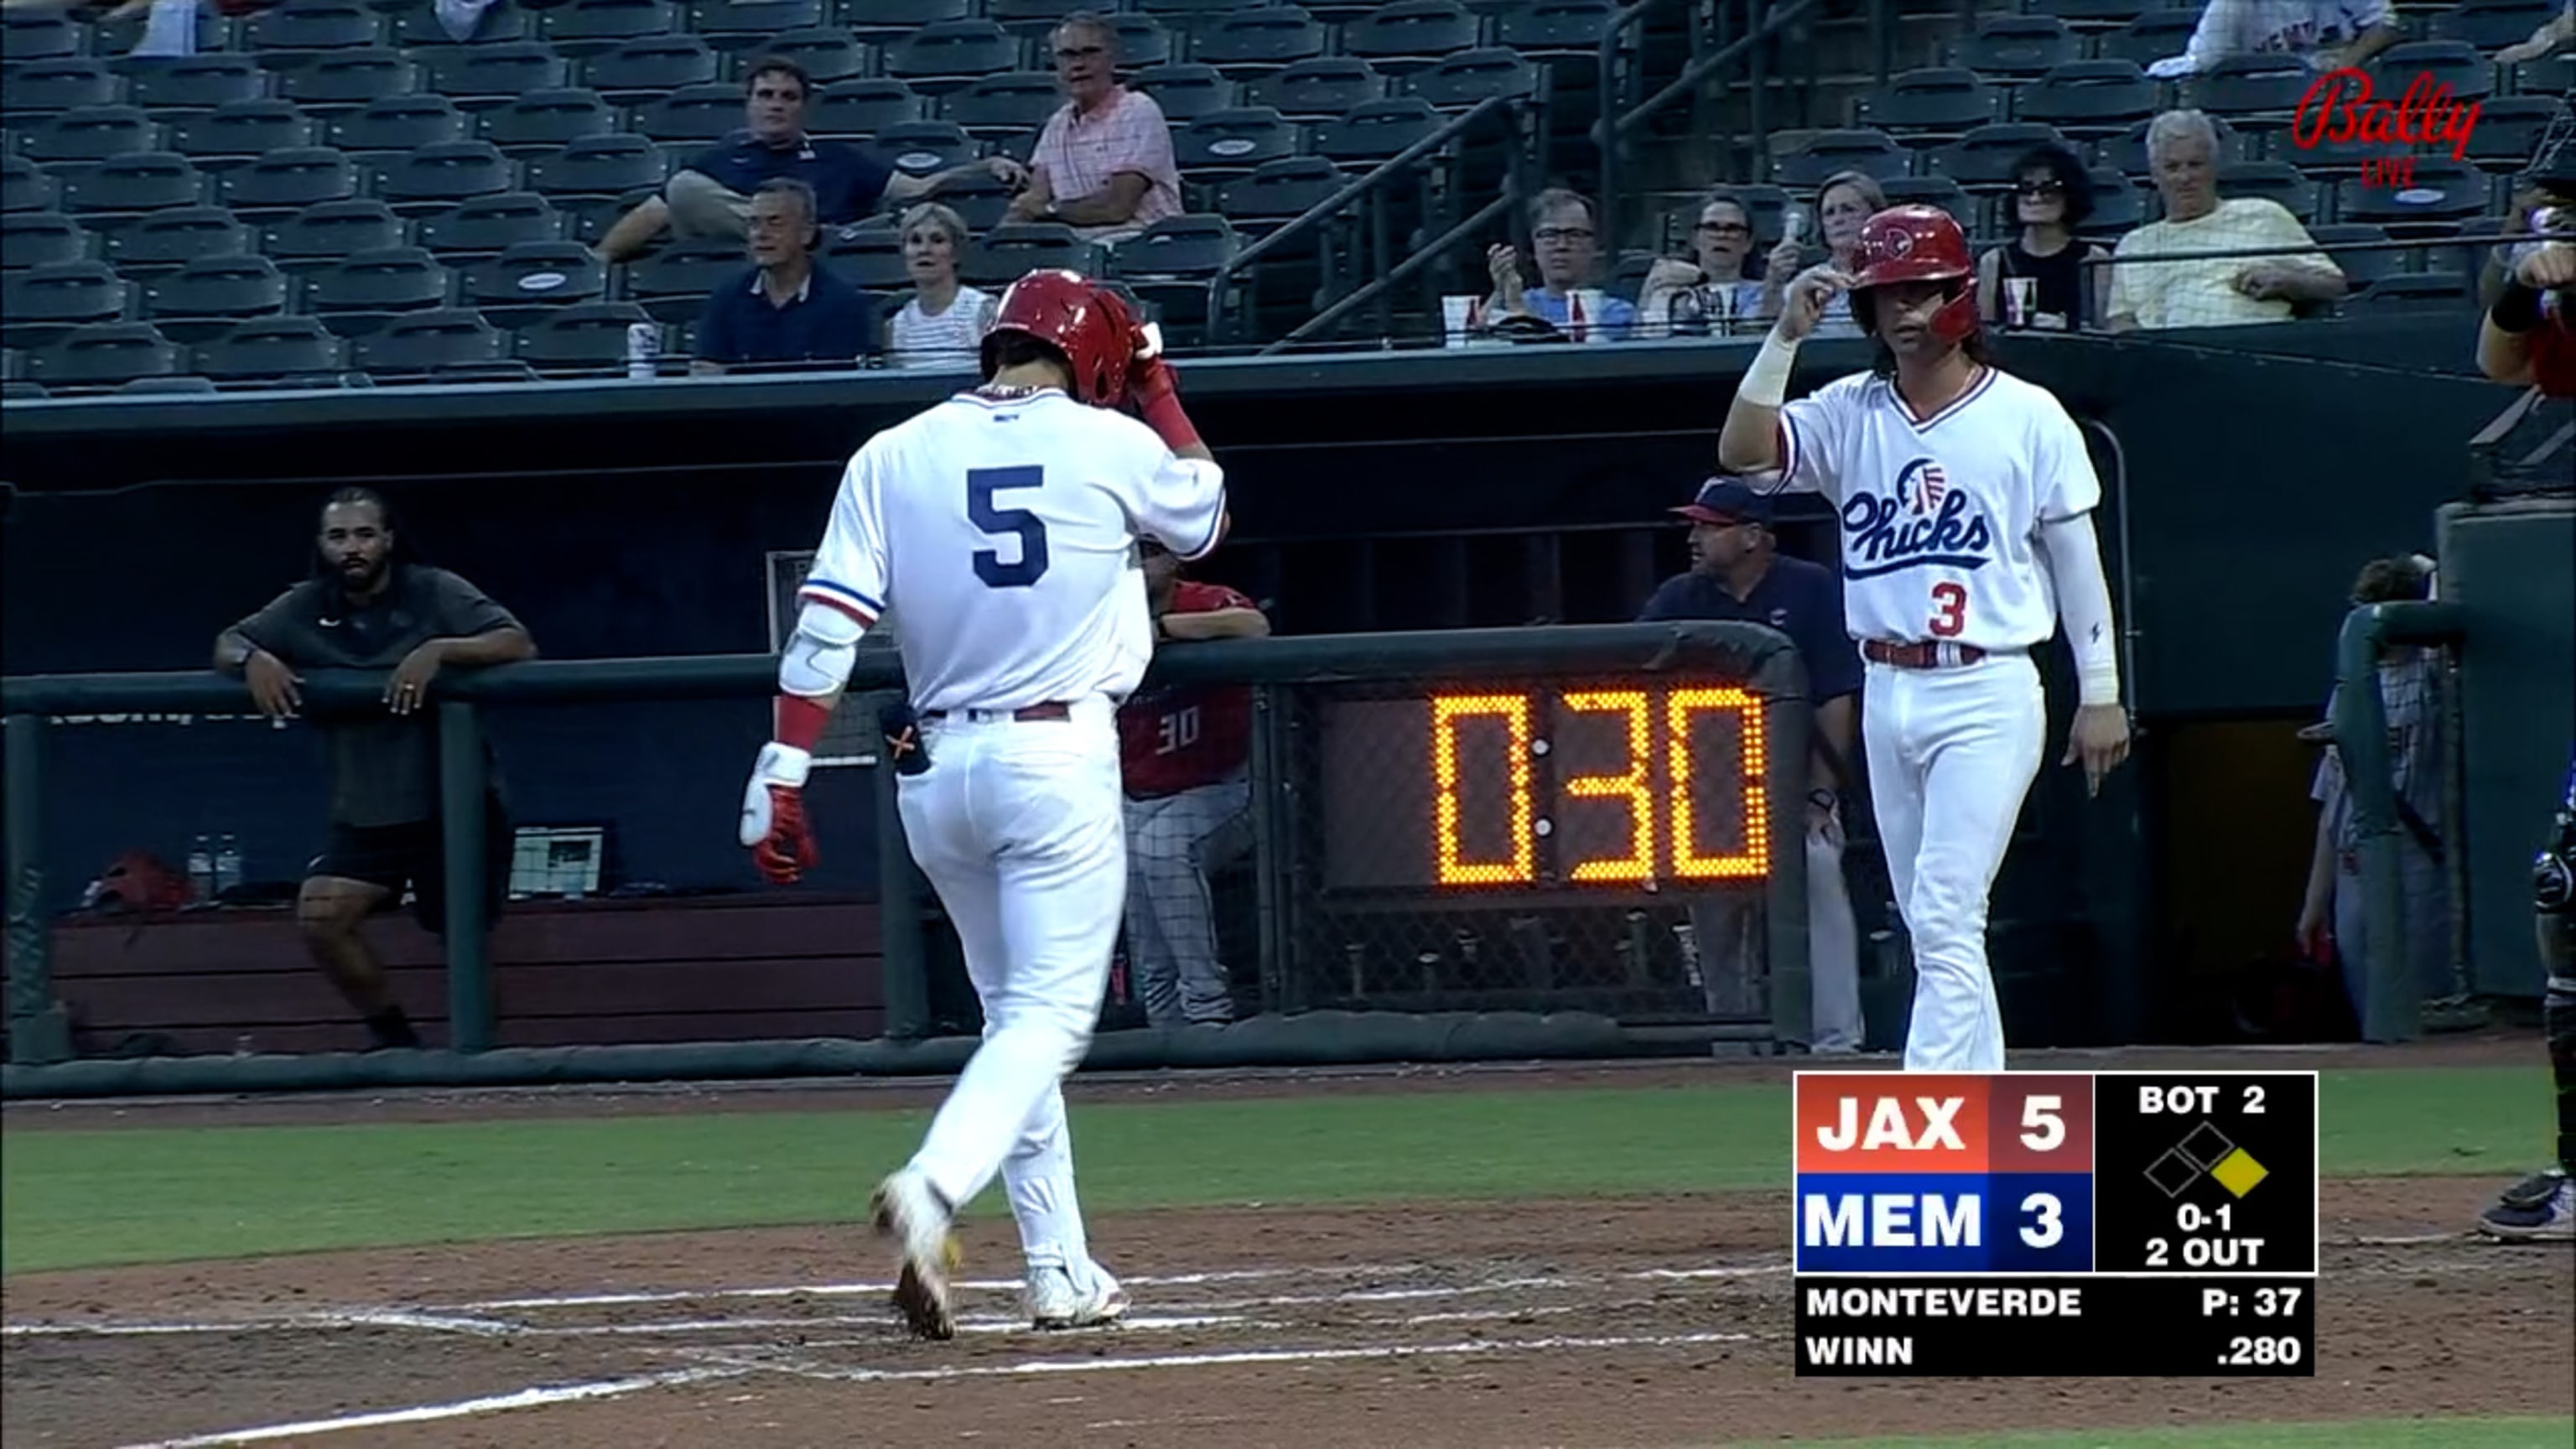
(1609, 1322)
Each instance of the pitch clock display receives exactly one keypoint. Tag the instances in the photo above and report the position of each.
(1571, 784)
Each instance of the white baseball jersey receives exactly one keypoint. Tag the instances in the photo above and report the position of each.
(1940, 516)
(1004, 530)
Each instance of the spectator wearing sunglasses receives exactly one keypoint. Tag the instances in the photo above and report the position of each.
(2046, 277)
(1719, 293)
(1104, 163)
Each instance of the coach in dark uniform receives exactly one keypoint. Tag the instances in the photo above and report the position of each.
(1737, 572)
(368, 607)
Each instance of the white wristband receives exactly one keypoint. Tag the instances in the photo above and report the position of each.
(783, 764)
(2098, 686)
(1766, 382)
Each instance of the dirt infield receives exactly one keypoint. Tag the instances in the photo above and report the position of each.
(1595, 1322)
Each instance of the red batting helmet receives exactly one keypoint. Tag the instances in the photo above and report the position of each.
(1918, 244)
(1089, 325)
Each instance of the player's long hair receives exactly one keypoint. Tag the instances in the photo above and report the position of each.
(1979, 345)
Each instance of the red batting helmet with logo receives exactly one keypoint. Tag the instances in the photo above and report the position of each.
(1089, 325)
(1918, 244)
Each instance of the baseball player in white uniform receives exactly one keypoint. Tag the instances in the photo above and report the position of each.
(1002, 525)
(1966, 499)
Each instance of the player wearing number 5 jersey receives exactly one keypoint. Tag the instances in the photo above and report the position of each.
(1002, 525)
(1966, 500)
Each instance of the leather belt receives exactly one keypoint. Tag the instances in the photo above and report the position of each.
(1925, 654)
(1026, 714)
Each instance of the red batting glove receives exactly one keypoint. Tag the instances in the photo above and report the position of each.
(773, 814)
(1156, 390)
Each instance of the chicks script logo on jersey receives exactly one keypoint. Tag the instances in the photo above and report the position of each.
(2339, 109)
(1920, 520)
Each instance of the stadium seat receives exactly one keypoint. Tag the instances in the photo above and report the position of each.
(203, 299)
(2509, 128)
(20, 389)
(1008, 253)
(400, 123)
(480, 77)
(2118, 203)
(1409, 35)
(940, 58)
(863, 107)
(240, 132)
(105, 354)
(2128, 150)
(1471, 77)
(137, 182)
(350, 78)
(1169, 263)
(614, 165)
(885, 20)
(1185, 92)
(325, 233)
(1003, 105)
(92, 133)
(273, 349)
(1940, 191)
(436, 341)
(869, 258)
(1312, 90)
(167, 240)
(588, 27)
(40, 304)
(585, 339)
(419, 27)
(2088, 99)
(2153, 36)
(828, 54)
(2094, 14)
(2550, 75)
(433, 177)
(2016, 47)
(674, 283)
(163, 84)
(2454, 63)
(1279, 191)
(1373, 131)
(651, 65)
(1557, 29)
(1921, 107)
(24, 186)
(1185, 9)
(356, 294)
(1255, 41)
(2253, 91)
(2435, 199)
(315, 25)
(1987, 158)
(979, 199)
(2419, 292)
(543, 122)
(1232, 142)
(2363, 268)
(919, 148)
(2273, 181)
(1826, 152)
(707, 112)
(747, 24)
(530, 278)
(1142, 41)
(486, 226)
(1032, 19)
(2491, 25)
(41, 87)
(43, 239)
(28, 33)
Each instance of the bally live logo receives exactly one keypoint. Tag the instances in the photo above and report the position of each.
(2339, 107)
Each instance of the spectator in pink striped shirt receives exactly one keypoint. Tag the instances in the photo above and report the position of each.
(1104, 165)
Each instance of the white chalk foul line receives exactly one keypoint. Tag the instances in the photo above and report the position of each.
(462, 1408)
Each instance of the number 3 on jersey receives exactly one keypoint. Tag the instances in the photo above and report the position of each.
(1031, 565)
(1949, 610)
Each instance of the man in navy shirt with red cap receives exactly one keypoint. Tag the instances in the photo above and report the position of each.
(1737, 572)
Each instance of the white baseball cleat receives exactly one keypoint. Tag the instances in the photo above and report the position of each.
(908, 1212)
(1056, 1301)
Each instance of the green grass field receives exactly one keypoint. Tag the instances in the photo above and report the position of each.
(71, 1198)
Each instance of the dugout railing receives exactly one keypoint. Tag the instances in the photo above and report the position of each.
(1534, 758)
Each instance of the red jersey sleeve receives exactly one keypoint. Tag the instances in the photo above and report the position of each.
(2553, 355)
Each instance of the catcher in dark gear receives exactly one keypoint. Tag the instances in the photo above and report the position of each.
(2542, 1207)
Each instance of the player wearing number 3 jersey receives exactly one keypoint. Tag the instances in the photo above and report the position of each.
(1002, 526)
(1966, 500)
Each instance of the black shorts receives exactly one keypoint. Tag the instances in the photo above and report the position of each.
(411, 856)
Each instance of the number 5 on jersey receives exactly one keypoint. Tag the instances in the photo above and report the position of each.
(1027, 527)
(1949, 610)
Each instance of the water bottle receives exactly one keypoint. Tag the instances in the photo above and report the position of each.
(643, 350)
(228, 864)
(201, 869)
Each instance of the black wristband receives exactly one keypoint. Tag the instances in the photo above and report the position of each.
(2517, 308)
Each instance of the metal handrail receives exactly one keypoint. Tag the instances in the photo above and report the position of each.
(1423, 256)
(1613, 129)
(1331, 206)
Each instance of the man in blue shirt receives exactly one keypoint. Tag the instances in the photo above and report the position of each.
(786, 311)
(1566, 245)
(1737, 573)
(711, 195)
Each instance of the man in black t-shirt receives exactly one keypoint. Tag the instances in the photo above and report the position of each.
(711, 196)
(368, 608)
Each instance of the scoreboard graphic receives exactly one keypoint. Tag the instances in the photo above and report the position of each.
(2070, 1224)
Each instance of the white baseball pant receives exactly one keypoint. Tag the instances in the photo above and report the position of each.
(1016, 823)
(1952, 753)
(1173, 841)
